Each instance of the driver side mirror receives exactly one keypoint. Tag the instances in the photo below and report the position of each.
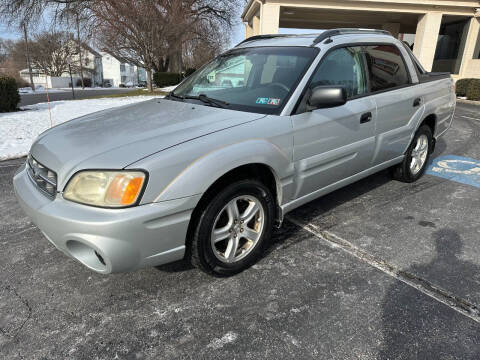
(327, 97)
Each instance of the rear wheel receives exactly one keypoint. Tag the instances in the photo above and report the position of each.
(231, 231)
(416, 159)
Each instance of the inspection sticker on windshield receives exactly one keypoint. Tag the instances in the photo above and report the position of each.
(268, 101)
(456, 168)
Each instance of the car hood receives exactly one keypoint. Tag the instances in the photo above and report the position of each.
(116, 138)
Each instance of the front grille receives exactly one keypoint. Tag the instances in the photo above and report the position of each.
(44, 178)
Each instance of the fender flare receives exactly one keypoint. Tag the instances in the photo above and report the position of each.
(200, 174)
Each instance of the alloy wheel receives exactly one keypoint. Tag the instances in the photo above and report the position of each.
(419, 155)
(237, 228)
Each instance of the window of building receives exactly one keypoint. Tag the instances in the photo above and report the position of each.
(386, 67)
(122, 67)
(450, 45)
(344, 67)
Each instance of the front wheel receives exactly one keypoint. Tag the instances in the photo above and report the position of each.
(416, 158)
(232, 229)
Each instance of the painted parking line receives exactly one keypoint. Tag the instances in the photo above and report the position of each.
(456, 168)
(460, 305)
(469, 117)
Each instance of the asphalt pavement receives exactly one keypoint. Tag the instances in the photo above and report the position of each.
(31, 99)
(377, 270)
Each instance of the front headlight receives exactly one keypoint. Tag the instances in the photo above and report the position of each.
(114, 189)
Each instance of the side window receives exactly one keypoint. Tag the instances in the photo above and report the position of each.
(386, 67)
(232, 74)
(344, 66)
(282, 69)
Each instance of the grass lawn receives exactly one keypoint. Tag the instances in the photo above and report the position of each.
(136, 92)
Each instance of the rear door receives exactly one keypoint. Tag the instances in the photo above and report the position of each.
(397, 105)
(333, 144)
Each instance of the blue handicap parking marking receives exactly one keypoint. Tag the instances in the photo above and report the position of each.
(456, 168)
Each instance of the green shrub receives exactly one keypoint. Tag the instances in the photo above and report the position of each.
(87, 82)
(473, 90)
(9, 96)
(461, 86)
(162, 79)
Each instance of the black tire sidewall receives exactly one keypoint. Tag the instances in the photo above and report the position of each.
(207, 218)
(424, 130)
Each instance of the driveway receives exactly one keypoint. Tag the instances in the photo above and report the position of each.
(30, 99)
(377, 270)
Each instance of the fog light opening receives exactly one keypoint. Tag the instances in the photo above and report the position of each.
(86, 255)
(100, 258)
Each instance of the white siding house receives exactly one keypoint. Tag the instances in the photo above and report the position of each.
(117, 72)
(91, 65)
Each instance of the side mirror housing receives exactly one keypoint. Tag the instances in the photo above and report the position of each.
(327, 97)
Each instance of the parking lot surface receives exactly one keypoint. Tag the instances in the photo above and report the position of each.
(377, 270)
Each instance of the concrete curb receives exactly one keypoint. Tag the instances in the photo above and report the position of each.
(469, 102)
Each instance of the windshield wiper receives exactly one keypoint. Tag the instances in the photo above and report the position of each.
(208, 100)
(172, 94)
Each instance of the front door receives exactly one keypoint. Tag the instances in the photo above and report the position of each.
(336, 143)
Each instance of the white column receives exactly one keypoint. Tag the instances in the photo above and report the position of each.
(426, 38)
(393, 28)
(256, 25)
(248, 31)
(269, 19)
(470, 44)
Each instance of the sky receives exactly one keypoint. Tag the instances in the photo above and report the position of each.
(238, 32)
(7, 33)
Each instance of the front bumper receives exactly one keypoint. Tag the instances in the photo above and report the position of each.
(109, 240)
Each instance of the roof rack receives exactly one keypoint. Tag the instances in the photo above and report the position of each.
(263, 37)
(335, 32)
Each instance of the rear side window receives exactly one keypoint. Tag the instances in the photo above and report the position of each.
(345, 67)
(386, 67)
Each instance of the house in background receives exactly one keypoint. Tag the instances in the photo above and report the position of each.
(103, 69)
(91, 66)
(118, 72)
(40, 79)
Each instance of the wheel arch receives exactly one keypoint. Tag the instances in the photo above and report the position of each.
(267, 160)
(431, 121)
(257, 171)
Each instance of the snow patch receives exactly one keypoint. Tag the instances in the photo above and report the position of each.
(169, 88)
(39, 90)
(19, 129)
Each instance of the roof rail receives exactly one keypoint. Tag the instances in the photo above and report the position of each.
(262, 37)
(335, 32)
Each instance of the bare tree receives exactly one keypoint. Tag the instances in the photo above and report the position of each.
(134, 30)
(154, 34)
(4, 49)
(51, 51)
(12, 60)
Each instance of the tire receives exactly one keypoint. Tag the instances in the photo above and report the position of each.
(404, 172)
(214, 254)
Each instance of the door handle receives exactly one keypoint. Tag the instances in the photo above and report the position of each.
(417, 102)
(367, 117)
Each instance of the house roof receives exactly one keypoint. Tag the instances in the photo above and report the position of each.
(89, 48)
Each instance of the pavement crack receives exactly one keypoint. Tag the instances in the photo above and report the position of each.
(14, 332)
(439, 294)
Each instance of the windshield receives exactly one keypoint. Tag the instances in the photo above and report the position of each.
(251, 79)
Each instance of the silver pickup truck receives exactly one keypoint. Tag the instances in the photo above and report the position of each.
(206, 173)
